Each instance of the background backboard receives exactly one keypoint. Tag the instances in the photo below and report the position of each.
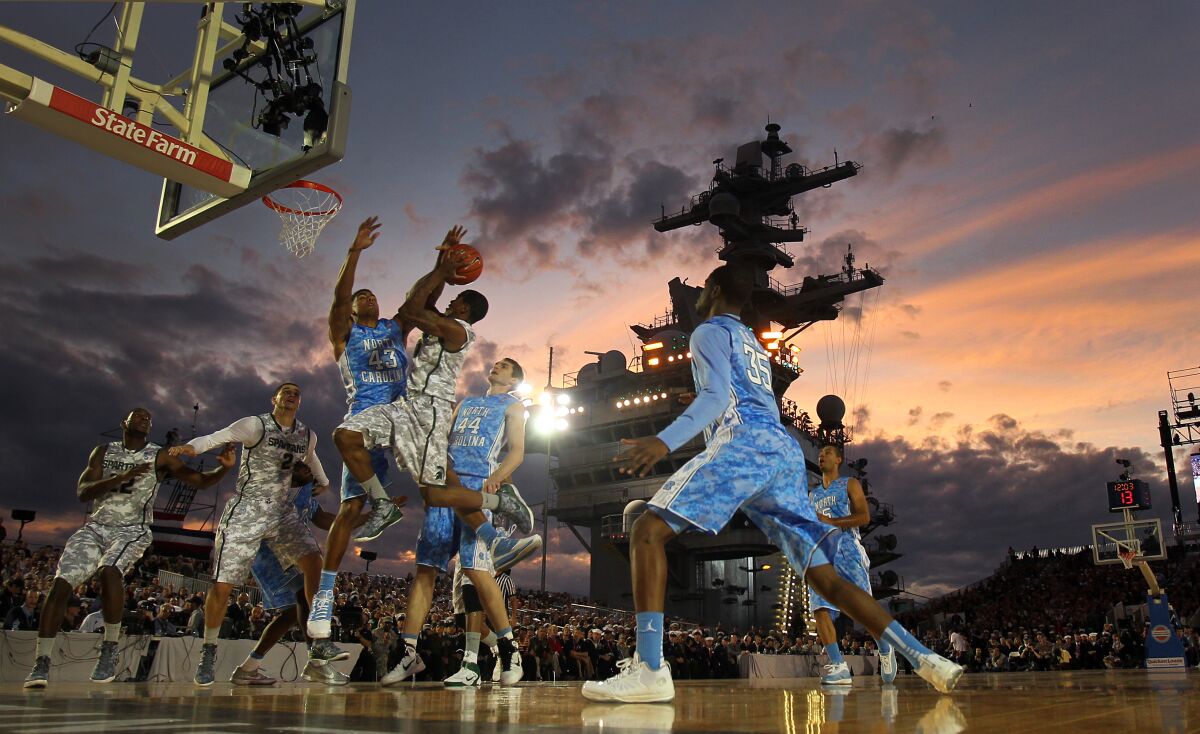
(1145, 536)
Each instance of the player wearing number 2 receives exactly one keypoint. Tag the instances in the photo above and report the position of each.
(120, 481)
(260, 510)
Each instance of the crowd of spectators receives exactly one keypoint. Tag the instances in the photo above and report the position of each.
(990, 626)
(1050, 610)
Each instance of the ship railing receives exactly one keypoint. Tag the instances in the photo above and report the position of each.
(571, 379)
(616, 527)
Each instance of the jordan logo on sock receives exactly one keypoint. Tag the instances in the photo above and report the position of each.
(649, 627)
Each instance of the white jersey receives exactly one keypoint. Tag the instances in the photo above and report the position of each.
(132, 502)
(265, 470)
(435, 369)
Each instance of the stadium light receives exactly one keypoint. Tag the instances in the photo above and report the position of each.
(524, 389)
(562, 399)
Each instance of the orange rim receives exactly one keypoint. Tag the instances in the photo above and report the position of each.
(303, 184)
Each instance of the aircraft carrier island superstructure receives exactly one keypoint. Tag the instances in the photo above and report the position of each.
(737, 576)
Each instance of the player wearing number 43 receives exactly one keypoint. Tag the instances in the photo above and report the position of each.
(260, 510)
(120, 481)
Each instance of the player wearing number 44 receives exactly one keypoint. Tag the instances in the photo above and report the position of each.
(260, 510)
(120, 481)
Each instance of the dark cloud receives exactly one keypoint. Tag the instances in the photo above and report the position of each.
(945, 385)
(895, 148)
(473, 378)
(914, 415)
(828, 255)
(961, 503)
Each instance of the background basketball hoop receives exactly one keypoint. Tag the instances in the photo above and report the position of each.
(304, 207)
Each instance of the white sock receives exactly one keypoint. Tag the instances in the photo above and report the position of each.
(211, 635)
(252, 663)
(112, 632)
(471, 657)
(490, 501)
(490, 640)
(375, 490)
(45, 646)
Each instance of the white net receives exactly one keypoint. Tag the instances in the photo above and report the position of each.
(304, 209)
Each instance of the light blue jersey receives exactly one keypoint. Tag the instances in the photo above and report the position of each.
(732, 373)
(832, 501)
(478, 434)
(849, 559)
(374, 365)
(278, 584)
(749, 463)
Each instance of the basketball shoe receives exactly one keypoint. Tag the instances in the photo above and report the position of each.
(634, 683)
(320, 617)
(409, 666)
(513, 507)
(384, 514)
(106, 666)
(944, 718)
(40, 675)
(836, 674)
(887, 665)
(318, 672)
(941, 673)
(206, 673)
(513, 553)
(468, 676)
(256, 677)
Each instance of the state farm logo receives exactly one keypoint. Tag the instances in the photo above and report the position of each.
(145, 136)
(1160, 633)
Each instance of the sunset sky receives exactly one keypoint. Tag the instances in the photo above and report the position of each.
(1029, 190)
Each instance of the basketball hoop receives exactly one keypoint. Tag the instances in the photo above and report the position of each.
(1127, 557)
(304, 207)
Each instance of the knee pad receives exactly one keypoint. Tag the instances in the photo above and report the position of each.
(471, 599)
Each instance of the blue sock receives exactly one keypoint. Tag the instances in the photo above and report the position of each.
(905, 644)
(835, 653)
(486, 532)
(506, 632)
(650, 638)
(409, 640)
(256, 655)
(328, 579)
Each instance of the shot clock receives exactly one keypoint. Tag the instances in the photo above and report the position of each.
(1129, 494)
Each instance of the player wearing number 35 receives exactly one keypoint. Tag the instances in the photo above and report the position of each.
(260, 510)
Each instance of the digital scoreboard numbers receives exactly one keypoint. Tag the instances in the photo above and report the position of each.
(1133, 494)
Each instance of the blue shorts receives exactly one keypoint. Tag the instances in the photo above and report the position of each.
(278, 585)
(443, 536)
(381, 461)
(851, 563)
(759, 471)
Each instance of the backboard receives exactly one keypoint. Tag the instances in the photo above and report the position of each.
(263, 102)
(1143, 536)
(231, 120)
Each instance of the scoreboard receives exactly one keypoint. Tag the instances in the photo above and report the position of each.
(1131, 494)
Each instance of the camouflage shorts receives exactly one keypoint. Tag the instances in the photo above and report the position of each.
(94, 546)
(243, 528)
(418, 430)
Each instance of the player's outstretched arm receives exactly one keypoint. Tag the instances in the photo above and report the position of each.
(514, 436)
(859, 515)
(343, 290)
(247, 431)
(92, 484)
(200, 480)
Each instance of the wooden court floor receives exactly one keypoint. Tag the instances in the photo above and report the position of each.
(1094, 701)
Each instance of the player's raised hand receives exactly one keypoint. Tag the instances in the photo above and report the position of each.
(640, 459)
(368, 231)
(181, 450)
(228, 456)
(453, 237)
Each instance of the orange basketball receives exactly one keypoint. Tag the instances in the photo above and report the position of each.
(470, 264)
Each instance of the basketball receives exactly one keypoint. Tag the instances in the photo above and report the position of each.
(470, 264)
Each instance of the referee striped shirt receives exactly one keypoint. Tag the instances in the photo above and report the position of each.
(505, 582)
